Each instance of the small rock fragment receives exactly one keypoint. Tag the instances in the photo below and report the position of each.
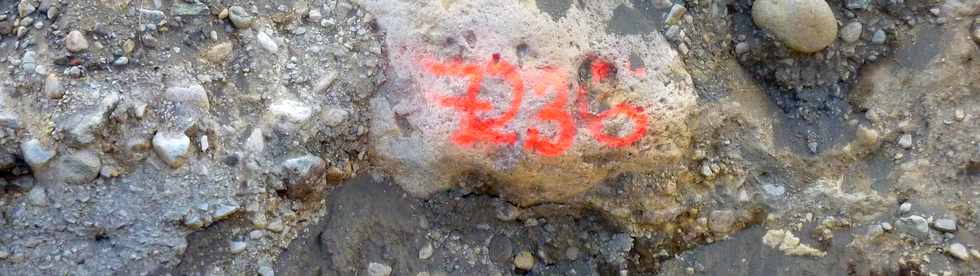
(851, 32)
(315, 16)
(524, 261)
(741, 48)
(53, 88)
(904, 208)
(76, 42)
(9, 120)
(675, 14)
(506, 211)
(290, 110)
(334, 116)
(304, 176)
(879, 37)
(255, 142)
(914, 225)
(26, 7)
(193, 220)
(867, 136)
(38, 197)
(185, 8)
(223, 212)
(945, 225)
(193, 94)
(171, 147)
(237, 247)
(378, 269)
(959, 115)
(788, 243)
(905, 141)
(219, 53)
(266, 271)
(23, 183)
(266, 42)
(887, 226)
(721, 221)
(35, 154)
(77, 167)
(426, 251)
(959, 251)
(240, 18)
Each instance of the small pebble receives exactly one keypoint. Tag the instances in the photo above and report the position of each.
(378, 269)
(266, 271)
(256, 234)
(904, 208)
(267, 42)
(959, 251)
(851, 32)
(945, 225)
(905, 141)
(879, 37)
(741, 48)
(959, 115)
(76, 42)
(524, 260)
(237, 247)
(426, 251)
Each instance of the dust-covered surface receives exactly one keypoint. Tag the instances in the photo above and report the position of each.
(309, 137)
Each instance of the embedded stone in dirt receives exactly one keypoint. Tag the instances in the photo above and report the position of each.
(304, 176)
(803, 25)
(76, 42)
(171, 147)
(78, 167)
(36, 154)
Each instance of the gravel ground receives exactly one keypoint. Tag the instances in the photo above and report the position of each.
(303, 137)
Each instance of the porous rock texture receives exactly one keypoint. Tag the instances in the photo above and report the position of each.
(412, 133)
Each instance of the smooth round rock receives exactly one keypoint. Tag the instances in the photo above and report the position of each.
(851, 32)
(803, 25)
(171, 147)
(524, 261)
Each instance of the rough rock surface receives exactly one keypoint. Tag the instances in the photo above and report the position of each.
(427, 143)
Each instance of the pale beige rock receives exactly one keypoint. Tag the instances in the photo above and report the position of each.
(412, 134)
(76, 42)
(524, 260)
(788, 243)
(802, 25)
(219, 53)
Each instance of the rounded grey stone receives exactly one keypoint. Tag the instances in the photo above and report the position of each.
(35, 154)
(851, 32)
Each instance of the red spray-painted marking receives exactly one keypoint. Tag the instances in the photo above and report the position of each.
(554, 111)
(474, 129)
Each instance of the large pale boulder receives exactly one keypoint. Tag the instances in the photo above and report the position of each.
(545, 109)
(803, 25)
